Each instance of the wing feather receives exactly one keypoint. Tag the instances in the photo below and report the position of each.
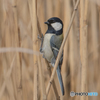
(55, 44)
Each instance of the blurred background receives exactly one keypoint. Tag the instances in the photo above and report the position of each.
(16, 69)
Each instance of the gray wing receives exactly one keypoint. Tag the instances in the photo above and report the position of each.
(55, 43)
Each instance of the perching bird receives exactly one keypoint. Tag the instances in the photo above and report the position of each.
(51, 45)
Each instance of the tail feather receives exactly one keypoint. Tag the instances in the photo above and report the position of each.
(60, 80)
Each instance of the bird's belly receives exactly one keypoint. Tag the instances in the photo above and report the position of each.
(47, 52)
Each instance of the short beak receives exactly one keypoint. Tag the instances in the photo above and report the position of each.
(46, 22)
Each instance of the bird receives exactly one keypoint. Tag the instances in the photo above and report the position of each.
(52, 41)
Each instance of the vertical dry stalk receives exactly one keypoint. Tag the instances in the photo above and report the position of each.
(61, 49)
(65, 57)
(57, 8)
(98, 68)
(72, 54)
(72, 46)
(49, 7)
(99, 36)
(76, 52)
(42, 14)
(95, 39)
(81, 23)
(83, 45)
(43, 92)
(76, 21)
(18, 67)
(8, 82)
(1, 67)
(37, 59)
(35, 48)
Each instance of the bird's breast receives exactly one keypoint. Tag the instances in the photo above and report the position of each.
(47, 52)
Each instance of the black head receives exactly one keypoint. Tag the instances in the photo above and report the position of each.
(55, 26)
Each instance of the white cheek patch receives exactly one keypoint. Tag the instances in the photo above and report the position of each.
(57, 26)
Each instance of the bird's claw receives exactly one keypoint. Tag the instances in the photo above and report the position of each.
(41, 49)
(39, 37)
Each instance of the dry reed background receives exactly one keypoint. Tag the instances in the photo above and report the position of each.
(24, 75)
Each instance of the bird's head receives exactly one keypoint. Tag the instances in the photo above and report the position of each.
(55, 25)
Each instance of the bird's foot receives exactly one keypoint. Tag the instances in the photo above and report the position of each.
(41, 38)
